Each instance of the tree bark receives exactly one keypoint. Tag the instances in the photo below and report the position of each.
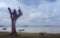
(13, 26)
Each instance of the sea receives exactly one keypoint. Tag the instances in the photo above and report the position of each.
(33, 29)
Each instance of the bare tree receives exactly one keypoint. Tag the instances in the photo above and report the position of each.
(14, 16)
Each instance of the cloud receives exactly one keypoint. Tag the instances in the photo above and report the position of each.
(51, 0)
(3, 5)
(44, 14)
(30, 2)
(35, 12)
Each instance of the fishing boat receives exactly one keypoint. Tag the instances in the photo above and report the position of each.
(21, 30)
(4, 28)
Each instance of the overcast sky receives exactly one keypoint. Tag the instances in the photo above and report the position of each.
(35, 12)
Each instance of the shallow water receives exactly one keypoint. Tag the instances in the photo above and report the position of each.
(34, 29)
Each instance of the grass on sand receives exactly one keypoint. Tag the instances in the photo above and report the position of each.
(30, 35)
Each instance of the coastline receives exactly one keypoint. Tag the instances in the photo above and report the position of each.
(33, 29)
(29, 35)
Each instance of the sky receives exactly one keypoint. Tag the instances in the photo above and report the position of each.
(35, 12)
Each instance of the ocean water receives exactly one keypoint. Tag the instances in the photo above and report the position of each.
(34, 29)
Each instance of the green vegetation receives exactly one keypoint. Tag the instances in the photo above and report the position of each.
(29, 35)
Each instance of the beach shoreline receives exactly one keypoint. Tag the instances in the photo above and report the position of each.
(29, 35)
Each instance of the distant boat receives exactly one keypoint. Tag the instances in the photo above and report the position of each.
(21, 30)
(2, 26)
(25, 26)
(4, 29)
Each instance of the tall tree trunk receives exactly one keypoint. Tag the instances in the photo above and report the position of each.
(13, 26)
(13, 30)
